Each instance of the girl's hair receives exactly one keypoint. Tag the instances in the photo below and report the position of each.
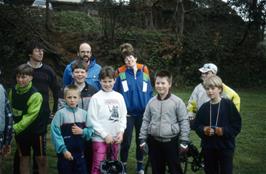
(79, 64)
(71, 87)
(126, 49)
(165, 73)
(107, 71)
(213, 81)
(24, 69)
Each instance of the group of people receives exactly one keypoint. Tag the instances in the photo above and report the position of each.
(96, 111)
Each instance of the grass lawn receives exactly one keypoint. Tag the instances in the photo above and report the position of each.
(250, 155)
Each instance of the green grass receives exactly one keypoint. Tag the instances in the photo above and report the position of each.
(250, 154)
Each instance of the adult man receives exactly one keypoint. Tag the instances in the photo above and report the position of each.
(44, 79)
(199, 95)
(85, 54)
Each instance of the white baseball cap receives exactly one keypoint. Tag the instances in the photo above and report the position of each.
(209, 67)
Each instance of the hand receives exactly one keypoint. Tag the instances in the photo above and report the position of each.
(119, 138)
(183, 147)
(144, 147)
(68, 155)
(208, 131)
(219, 131)
(109, 139)
(77, 130)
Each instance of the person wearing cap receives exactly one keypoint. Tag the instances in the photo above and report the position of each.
(133, 82)
(85, 54)
(199, 95)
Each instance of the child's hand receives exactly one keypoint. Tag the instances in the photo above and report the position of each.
(119, 138)
(109, 139)
(219, 131)
(68, 155)
(208, 131)
(77, 130)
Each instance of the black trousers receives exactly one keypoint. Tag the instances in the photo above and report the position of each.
(162, 154)
(218, 161)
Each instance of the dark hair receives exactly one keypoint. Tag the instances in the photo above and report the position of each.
(69, 88)
(165, 73)
(32, 45)
(79, 64)
(24, 69)
(126, 49)
(107, 71)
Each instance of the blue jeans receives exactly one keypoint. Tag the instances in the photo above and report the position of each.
(132, 121)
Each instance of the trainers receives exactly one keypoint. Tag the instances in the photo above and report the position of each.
(140, 171)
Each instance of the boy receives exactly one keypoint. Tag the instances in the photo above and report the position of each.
(108, 111)
(26, 104)
(69, 129)
(5, 125)
(79, 73)
(165, 122)
(217, 124)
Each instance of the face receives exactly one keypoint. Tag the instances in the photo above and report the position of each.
(107, 84)
(85, 52)
(72, 98)
(79, 75)
(206, 75)
(213, 92)
(130, 61)
(23, 80)
(36, 55)
(162, 85)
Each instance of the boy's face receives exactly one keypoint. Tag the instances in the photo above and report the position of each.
(37, 54)
(130, 61)
(72, 98)
(213, 92)
(79, 75)
(162, 85)
(23, 80)
(107, 84)
(206, 75)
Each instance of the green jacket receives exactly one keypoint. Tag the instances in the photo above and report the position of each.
(25, 112)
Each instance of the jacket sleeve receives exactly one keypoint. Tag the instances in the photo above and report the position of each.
(199, 122)
(56, 136)
(143, 135)
(93, 113)
(88, 131)
(232, 95)
(34, 105)
(234, 126)
(183, 122)
(192, 104)
(8, 122)
(67, 76)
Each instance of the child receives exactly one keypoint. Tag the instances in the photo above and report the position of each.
(79, 74)
(217, 124)
(70, 126)
(26, 104)
(5, 125)
(107, 109)
(165, 122)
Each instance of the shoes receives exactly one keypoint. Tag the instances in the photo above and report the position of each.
(140, 171)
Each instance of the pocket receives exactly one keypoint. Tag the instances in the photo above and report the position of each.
(175, 128)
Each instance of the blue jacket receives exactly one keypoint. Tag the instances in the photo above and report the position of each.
(6, 119)
(61, 134)
(136, 91)
(92, 77)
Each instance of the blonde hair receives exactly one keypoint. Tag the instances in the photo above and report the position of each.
(213, 81)
(71, 87)
(126, 49)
